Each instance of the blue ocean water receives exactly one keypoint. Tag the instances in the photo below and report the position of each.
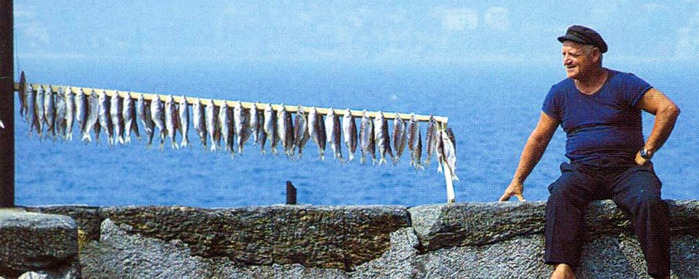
(492, 108)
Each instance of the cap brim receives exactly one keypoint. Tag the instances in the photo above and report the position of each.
(571, 37)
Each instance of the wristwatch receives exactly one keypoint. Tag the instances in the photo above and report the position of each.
(645, 154)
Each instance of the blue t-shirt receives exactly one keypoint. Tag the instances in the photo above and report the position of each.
(602, 129)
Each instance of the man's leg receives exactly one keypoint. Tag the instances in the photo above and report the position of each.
(570, 194)
(637, 191)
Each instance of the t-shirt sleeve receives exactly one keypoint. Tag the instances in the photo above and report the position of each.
(551, 105)
(635, 88)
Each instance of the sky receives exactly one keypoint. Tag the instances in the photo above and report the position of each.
(433, 31)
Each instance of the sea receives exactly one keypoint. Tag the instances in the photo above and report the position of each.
(491, 108)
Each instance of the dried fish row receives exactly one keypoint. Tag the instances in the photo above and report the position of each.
(118, 115)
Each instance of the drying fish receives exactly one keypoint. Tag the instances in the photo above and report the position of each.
(227, 133)
(366, 138)
(70, 113)
(104, 117)
(157, 114)
(431, 138)
(382, 137)
(242, 125)
(143, 114)
(116, 111)
(349, 128)
(399, 138)
(301, 134)
(183, 110)
(448, 154)
(199, 121)
(31, 114)
(414, 141)
(40, 116)
(22, 94)
(316, 129)
(171, 120)
(333, 134)
(92, 118)
(129, 115)
(30, 110)
(270, 128)
(211, 114)
(286, 131)
(255, 124)
(50, 112)
(61, 113)
(81, 109)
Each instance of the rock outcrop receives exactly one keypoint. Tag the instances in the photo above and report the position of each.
(468, 240)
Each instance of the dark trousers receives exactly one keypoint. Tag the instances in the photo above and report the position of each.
(635, 189)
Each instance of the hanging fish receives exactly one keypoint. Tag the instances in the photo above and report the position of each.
(129, 115)
(448, 154)
(70, 113)
(40, 114)
(50, 112)
(30, 109)
(255, 118)
(31, 114)
(157, 114)
(366, 138)
(399, 138)
(199, 121)
(92, 119)
(60, 122)
(143, 114)
(301, 134)
(227, 129)
(382, 137)
(286, 131)
(270, 128)
(333, 134)
(349, 129)
(183, 109)
(104, 117)
(211, 114)
(81, 110)
(171, 120)
(22, 90)
(414, 141)
(431, 139)
(241, 123)
(316, 131)
(116, 112)
(143, 110)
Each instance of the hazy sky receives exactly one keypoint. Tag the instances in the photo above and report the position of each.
(393, 31)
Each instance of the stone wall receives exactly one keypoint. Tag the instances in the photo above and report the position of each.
(465, 240)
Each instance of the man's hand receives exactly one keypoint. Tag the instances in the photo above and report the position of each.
(640, 160)
(515, 189)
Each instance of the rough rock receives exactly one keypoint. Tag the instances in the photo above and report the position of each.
(121, 255)
(87, 218)
(340, 237)
(33, 241)
(462, 224)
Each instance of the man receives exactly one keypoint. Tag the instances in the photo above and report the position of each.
(600, 111)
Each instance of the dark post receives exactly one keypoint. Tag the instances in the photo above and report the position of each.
(7, 104)
(290, 193)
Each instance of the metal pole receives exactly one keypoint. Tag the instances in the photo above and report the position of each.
(7, 104)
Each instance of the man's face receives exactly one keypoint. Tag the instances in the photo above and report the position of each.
(575, 61)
